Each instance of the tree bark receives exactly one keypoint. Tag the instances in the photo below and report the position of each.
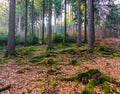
(90, 33)
(50, 28)
(85, 23)
(79, 23)
(26, 20)
(11, 33)
(32, 20)
(65, 24)
(43, 22)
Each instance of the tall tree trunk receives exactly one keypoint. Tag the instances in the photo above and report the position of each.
(19, 24)
(43, 22)
(26, 10)
(90, 33)
(11, 33)
(32, 20)
(50, 28)
(65, 24)
(85, 23)
(79, 23)
(55, 30)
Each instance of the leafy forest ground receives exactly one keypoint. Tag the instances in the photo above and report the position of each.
(65, 69)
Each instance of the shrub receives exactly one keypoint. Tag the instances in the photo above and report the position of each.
(3, 39)
(57, 38)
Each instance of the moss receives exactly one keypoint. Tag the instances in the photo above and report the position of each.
(23, 70)
(84, 77)
(54, 84)
(73, 62)
(87, 91)
(89, 88)
(52, 72)
(68, 79)
(106, 51)
(71, 51)
(92, 73)
(115, 90)
(105, 87)
(107, 79)
(5, 88)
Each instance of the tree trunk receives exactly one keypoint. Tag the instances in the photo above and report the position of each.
(85, 23)
(65, 25)
(79, 23)
(90, 33)
(19, 24)
(32, 20)
(26, 10)
(11, 33)
(43, 22)
(49, 24)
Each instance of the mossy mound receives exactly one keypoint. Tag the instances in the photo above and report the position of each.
(92, 78)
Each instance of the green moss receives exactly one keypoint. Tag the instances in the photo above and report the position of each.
(87, 91)
(54, 84)
(92, 73)
(84, 77)
(107, 79)
(5, 88)
(106, 51)
(23, 70)
(73, 62)
(68, 79)
(115, 90)
(52, 72)
(105, 87)
(89, 87)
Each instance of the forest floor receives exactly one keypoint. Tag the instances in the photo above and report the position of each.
(36, 70)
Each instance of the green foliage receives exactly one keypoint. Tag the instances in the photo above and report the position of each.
(57, 38)
(3, 39)
(105, 87)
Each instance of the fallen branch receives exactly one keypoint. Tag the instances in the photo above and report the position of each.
(5, 88)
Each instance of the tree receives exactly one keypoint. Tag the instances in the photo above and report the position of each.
(85, 22)
(49, 24)
(11, 33)
(79, 23)
(65, 24)
(26, 6)
(90, 33)
(43, 22)
(32, 20)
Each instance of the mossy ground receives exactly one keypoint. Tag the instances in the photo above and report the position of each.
(59, 65)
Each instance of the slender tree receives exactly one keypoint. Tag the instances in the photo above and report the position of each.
(65, 24)
(43, 21)
(49, 24)
(32, 20)
(26, 20)
(85, 22)
(11, 33)
(90, 33)
(79, 23)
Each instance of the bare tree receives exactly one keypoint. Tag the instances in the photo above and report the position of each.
(11, 33)
(90, 33)
(79, 23)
